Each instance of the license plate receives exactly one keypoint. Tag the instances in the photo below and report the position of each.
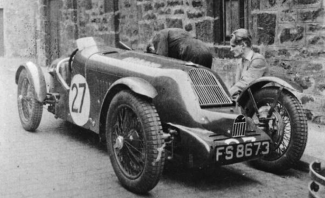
(238, 151)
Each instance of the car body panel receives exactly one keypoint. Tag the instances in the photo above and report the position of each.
(204, 144)
(205, 123)
(178, 105)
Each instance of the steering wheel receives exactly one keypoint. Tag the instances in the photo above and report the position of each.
(70, 59)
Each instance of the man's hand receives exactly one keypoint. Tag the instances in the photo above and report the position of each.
(235, 96)
(151, 49)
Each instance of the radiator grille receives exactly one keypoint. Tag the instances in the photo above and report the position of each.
(207, 88)
(239, 127)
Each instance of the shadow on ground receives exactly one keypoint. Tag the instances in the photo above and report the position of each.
(81, 135)
(175, 172)
(208, 178)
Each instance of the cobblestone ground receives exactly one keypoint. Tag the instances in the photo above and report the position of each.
(62, 160)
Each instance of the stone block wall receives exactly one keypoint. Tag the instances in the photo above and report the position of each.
(291, 34)
(133, 21)
(139, 19)
(82, 18)
(21, 30)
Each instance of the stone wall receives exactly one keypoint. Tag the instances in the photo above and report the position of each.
(133, 21)
(138, 20)
(82, 18)
(291, 34)
(21, 29)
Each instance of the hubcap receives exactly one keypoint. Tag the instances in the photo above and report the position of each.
(119, 143)
(279, 129)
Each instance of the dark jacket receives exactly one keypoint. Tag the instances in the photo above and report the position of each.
(178, 43)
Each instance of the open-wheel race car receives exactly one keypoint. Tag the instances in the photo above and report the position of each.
(149, 108)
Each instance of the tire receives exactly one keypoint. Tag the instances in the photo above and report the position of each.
(29, 109)
(289, 129)
(134, 142)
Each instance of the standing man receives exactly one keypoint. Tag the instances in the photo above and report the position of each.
(252, 65)
(178, 43)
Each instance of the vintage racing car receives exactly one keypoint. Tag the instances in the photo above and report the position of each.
(149, 108)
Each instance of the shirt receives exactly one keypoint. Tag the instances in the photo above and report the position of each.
(251, 67)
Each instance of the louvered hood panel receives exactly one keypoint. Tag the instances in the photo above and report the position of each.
(208, 89)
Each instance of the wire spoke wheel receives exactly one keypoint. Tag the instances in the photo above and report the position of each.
(29, 109)
(279, 129)
(133, 136)
(128, 142)
(26, 99)
(287, 128)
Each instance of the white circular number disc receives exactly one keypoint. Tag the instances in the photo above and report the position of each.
(79, 100)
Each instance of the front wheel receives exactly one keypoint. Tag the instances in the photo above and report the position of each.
(134, 142)
(29, 109)
(287, 129)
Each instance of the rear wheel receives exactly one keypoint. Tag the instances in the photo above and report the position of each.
(287, 129)
(134, 142)
(29, 109)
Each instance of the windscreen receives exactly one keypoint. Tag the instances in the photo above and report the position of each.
(86, 42)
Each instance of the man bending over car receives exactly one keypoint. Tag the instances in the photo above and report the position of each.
(252, 65)
(178, 43)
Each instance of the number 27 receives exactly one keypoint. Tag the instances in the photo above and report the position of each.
(74, 86)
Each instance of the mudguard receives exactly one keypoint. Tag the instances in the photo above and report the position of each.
(273, 81)
(37, 77)
(137, 85)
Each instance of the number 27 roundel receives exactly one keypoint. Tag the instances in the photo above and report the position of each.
(79, 100)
